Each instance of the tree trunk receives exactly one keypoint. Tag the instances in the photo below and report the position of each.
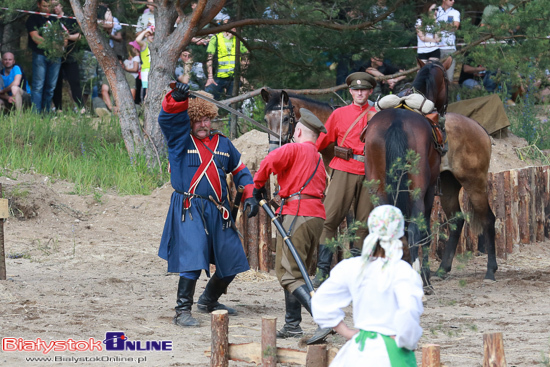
(134, 139)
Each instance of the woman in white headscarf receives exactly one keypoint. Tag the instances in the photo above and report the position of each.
(387, 298)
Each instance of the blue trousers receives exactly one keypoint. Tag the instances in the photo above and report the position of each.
(225, 86)
(44, 80)
(195, 274)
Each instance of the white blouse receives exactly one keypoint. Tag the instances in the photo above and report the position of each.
(395, 311)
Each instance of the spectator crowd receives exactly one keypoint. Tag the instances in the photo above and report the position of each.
(60, 54)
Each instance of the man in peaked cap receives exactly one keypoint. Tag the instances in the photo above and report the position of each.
(198, 230)
(301, 175)
(346, 186)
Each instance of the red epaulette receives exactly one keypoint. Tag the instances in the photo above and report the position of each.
(217, 132)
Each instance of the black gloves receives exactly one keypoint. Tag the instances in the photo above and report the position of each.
(260, 193)
(251, 203)
(181, 92)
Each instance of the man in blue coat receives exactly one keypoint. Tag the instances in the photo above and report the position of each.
(199, 230)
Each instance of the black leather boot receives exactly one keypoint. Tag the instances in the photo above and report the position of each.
(208, 301)
(303, 296)
(324, 259)
(186, 290)
(293, 317)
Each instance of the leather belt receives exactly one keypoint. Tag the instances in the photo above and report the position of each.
(303, 196)
(358, 157)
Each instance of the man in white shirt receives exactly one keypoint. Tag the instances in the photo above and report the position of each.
(447, 14)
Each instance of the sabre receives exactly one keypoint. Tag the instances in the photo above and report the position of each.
(237, 202)
(232, 110)
(290, 245)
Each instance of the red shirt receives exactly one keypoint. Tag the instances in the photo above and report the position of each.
(294, 164)
(337, 125)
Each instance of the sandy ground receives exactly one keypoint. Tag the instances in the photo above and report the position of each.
(78, 268)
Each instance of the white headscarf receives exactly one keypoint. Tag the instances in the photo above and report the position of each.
(386, 226)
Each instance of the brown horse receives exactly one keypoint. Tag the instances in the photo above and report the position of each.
(465, 165)
(285, 108)
(389, 136)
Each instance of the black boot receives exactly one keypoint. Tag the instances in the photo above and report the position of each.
(208, 301)
(293, 317)
(186, 290)
(324, 259)
(303, 296)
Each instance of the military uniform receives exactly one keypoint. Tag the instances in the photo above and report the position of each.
(348, 176)
(301, 175)
(198, 230)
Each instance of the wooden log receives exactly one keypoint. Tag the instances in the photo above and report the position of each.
(493, 350)
(546, 200)
(438, 217)
(317, 356)
(499, 209)
(244, 230)
(264, 254)
(468, 240)
(219, 342)
(514, 199)
(251, 353)
(511, 226)
(523, 206)
(539, 203)
(4, 213)
(269, 341)
(532, 214)
(252, 235)
(431, 355)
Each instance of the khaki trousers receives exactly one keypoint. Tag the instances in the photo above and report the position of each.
(305, 237)
(344, 189)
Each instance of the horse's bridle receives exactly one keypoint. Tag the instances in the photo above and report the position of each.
(407, 91)
(285, 138)
(440, 67)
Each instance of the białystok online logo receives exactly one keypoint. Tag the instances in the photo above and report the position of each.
(114, 341)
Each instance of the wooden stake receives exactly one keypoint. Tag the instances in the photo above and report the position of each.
(493, 350)
(252, 235)
(317, 355)
(220, 343)
(431, 355)
(2, 252)
(269, 341)
(264, 253)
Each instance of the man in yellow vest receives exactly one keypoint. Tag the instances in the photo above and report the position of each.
(224, 45)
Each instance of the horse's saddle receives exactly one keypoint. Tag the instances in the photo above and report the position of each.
(415, 102)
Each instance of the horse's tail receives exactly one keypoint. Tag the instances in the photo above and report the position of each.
(396, 175)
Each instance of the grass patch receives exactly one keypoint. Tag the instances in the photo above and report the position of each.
(77, 149)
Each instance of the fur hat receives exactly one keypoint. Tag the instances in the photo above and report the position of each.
(199, 108)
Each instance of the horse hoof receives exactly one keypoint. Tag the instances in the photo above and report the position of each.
(429, 290)
(489, 277)
(488, 280)
(441, 274)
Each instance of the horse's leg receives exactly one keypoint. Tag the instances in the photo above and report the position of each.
(426, 241)
(418, 235)
(484, 215)
(487, 239)
(450, 188)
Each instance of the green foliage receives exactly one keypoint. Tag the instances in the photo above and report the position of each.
(71, 147)
(54, 36)
(529, 121)
(347, 236)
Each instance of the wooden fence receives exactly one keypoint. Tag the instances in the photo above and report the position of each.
(520, 199)
(267, 354)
